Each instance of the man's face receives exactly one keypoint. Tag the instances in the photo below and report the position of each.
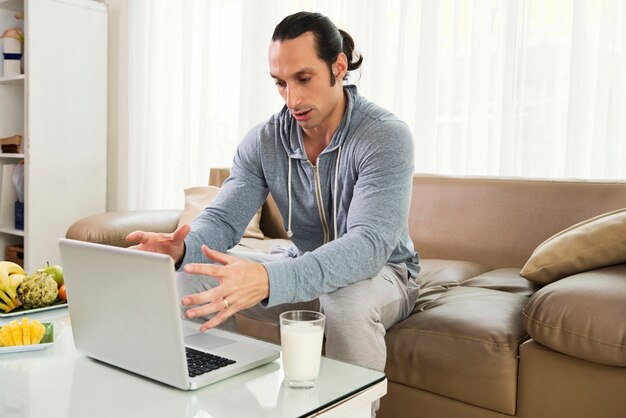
(304, 81)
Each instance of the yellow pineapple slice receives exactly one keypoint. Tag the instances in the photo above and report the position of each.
(34, 332)
(6, 338)
(43, 331)
(25, 332)
(37, 331)
(16, 332)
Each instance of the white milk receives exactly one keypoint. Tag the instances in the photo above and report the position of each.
(302, 350)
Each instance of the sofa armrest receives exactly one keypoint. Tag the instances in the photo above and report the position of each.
(111, 228)
(583, 315)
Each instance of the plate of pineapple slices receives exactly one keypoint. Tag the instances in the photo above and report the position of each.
(25, 335)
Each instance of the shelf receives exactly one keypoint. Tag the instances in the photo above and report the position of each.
(12, 5)
(12, 231)
(66, 47)
(18, 79)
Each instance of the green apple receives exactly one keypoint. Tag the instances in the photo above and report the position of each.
(55, 271)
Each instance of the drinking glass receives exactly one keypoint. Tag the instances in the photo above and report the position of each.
(301, 334)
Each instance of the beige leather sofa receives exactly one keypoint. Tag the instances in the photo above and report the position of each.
(482, 341)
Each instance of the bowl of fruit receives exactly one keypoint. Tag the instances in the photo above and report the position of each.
(21, 293)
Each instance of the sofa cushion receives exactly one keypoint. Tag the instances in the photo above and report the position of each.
(594, 243)
(198, 198)
(463, 345)
(583, 316)
(437, 276)
(504, 280)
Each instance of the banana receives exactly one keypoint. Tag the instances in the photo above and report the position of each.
(8, 268)
(16, 278)
(11, 275)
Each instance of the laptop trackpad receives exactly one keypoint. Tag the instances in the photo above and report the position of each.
(206, 341)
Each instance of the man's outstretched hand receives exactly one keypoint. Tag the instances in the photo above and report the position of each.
(243, 284)
(157, 242)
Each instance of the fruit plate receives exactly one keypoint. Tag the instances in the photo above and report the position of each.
(46, 341)
(22, 311)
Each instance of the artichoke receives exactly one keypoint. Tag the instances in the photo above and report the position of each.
(37, 290)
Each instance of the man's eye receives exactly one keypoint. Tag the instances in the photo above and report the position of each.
(280, 83)
(305, 80)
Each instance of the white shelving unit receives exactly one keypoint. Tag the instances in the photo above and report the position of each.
(59, 107)
(12, 80)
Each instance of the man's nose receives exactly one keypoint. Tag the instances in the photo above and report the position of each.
(292, 97)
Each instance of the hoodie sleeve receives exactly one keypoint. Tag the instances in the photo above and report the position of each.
(377, 218)
(222, 223)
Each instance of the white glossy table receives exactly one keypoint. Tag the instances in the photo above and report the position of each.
(60, 382)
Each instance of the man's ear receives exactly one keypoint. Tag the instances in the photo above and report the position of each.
(340, 66)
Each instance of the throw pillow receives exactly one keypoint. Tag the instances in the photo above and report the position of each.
(594, 243)
(198, 198)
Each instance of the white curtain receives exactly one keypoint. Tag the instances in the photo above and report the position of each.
(528, 88)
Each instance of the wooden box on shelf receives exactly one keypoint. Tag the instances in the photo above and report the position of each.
(11, 144)
(14, 253)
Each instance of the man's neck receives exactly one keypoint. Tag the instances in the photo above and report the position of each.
(318, 138)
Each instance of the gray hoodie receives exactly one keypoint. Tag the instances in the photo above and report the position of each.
(348, 214)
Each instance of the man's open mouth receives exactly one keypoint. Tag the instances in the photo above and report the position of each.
(302, 115)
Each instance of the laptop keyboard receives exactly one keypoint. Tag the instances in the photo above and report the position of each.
(199, 362)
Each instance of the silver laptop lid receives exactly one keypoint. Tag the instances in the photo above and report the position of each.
(124, 308)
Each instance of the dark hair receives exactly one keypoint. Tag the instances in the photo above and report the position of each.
(329, 41)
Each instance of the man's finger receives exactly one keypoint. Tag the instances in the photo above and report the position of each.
(181, 232)
(217, 319)
(204, 310)
(218, 256)
(205, 269)
(135, 236)
(202, 297)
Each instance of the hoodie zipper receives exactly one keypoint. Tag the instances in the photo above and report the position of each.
(320, 203)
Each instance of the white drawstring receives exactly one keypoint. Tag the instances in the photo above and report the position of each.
(335, 191)
(289, 233)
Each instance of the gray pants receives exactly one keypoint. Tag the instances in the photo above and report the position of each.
(357, 316)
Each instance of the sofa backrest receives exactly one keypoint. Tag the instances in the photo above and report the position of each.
(494, 221)
(500, 221)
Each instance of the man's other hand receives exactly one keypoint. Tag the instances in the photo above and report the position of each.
(243, 284)
(157, 242)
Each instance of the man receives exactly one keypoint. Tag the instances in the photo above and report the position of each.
(340, 170)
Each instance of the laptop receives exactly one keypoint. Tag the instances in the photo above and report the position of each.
(125, 311)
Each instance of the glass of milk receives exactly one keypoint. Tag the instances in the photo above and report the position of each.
(301, 335)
